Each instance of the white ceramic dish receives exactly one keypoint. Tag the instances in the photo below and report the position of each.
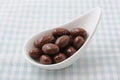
(88, 21)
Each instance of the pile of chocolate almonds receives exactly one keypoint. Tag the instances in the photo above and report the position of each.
(58, 46)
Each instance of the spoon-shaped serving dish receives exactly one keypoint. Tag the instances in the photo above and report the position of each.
(87, 21)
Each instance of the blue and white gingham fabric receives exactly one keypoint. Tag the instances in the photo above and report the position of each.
(19, 19)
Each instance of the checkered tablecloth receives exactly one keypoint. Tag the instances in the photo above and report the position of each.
(19, 19)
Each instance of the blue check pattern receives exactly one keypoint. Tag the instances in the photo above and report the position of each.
(19, 19)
